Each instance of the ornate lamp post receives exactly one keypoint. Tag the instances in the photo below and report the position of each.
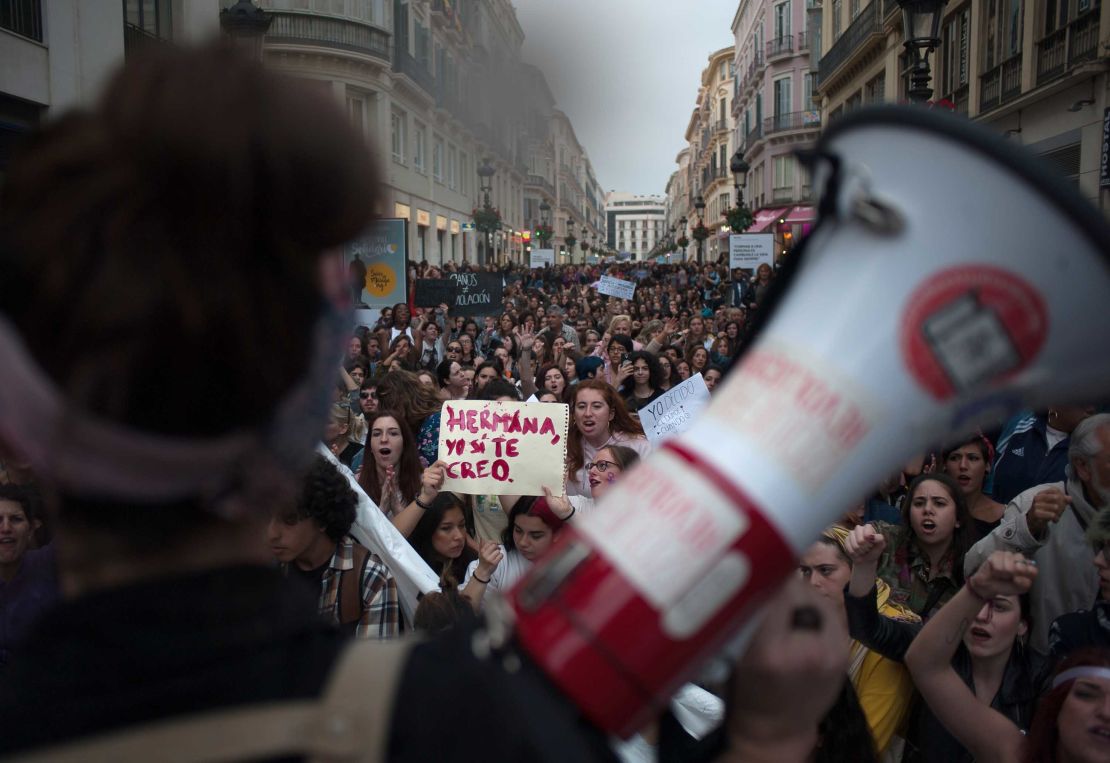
(921, 28)
(700, 232)
(487, 219)
(682, 242)
(571, 241)
(739, 217)
(543, 232)
(246, 24)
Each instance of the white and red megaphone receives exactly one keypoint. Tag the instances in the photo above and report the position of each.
(948, 282)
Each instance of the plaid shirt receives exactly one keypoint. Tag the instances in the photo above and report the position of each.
(907, 571)
(381, 605)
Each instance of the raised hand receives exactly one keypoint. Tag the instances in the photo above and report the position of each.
(489, 556)
(1048, 506)
(1005, 573)
(865, 545)
(431, 481)
(559, 504)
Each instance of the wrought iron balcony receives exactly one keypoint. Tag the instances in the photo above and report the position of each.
(780, 46)
(1065, 48)
(405, 64)
(756, 133)
(1000, 84)
(865, 30)
(794, 120)
(539, 181)
(304, 29)
(23, 17)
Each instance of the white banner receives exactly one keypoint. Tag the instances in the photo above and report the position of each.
(750, 250)
(675, 411)
(541, 257)
(615, 287)
(374, 531)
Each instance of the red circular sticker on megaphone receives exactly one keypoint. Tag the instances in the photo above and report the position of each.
(968, 326)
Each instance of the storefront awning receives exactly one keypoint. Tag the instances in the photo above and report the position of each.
(802, 215)
(765, 218)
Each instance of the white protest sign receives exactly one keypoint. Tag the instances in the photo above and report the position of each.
(541, 257)
(675, 411)
(750, 250)
(615, 287)
(502, 448)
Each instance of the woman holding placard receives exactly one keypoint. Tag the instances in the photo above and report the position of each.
(600, 419)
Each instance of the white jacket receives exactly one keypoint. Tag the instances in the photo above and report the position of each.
(1067, 579)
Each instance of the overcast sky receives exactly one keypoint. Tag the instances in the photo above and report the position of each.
(626, 72)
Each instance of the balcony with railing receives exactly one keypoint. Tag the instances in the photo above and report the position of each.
(1000, 84)
(304, 29)
(722, 125)
(23, 17)
(780, 46)
(803, 42)
(414, 69)
(539, 181)
(755, 66)
(136, 39)
(1068, 47)
(754, 135)
(860, 36)
(794, 120)
(959, 98)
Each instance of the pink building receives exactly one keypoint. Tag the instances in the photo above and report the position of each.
(774, 112)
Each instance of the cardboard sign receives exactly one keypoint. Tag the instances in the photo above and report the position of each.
(675, 411)
(541, 257)
(750, 250)
(433, 292)
(477, 294)
(500, 448)
(615, 287)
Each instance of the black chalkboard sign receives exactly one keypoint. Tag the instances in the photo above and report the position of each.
(433, 292)
(477, 294)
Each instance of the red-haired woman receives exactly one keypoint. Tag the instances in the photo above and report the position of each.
(600, 418)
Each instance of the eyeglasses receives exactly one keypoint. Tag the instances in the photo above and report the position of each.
(367, 395)
(454, 348)
(601, 466)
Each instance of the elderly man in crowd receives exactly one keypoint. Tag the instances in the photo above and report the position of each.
(1049, 523)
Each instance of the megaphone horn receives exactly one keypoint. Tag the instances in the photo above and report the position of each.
(949, 280)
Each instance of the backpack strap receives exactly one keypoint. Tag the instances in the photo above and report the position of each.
(350, 722)
(350, 586)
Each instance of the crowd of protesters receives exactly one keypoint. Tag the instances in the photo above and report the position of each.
(960, 612)
(934, 554)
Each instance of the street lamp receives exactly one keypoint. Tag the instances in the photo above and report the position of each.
(701, 233)
(487, 220)
(921, 28)
(739, 217)
(246, 25)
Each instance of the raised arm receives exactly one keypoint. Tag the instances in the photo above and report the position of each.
(986, 733)
(430, 482)
(889, 637)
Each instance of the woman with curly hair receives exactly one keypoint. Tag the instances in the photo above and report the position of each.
(600, 418)
(420, 406)
(645, 385)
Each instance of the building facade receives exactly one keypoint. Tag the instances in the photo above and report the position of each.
(635, 224)
(436, 86)
(775, 112)
(1034, 71)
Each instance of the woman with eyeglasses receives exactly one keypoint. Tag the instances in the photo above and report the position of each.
(600, 419)
(469, 357)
